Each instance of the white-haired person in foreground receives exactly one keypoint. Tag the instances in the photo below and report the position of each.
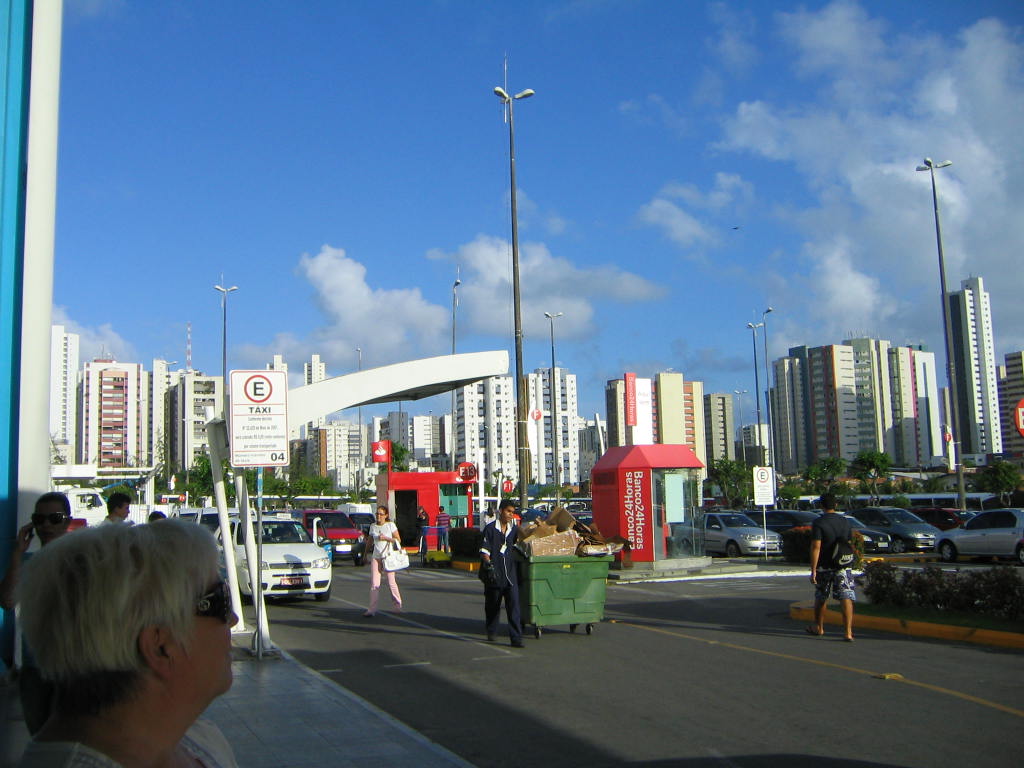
(132, 625)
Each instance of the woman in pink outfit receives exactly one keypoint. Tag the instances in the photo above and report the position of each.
(382, 533)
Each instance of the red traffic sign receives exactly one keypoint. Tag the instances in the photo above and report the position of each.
(1018, 417)
(507, 486)
(467, 471)
(535, 414)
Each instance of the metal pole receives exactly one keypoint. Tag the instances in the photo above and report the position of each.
(757, 388)
(556, 452)
(947, 327)
(523, 448)
(743, 448)
(455, 305)
(768, 389)
(224, 345)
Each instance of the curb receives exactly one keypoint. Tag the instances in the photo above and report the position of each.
(804, 611)
(472, 566)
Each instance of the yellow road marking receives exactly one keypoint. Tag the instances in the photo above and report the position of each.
(893, 676)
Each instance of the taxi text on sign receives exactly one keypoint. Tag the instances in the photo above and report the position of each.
(259, 418)
(764, 486)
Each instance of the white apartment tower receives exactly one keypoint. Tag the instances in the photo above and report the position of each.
(974, 363)
(314, 372)
(340, 450)
(113, 417)
(187, 401)
(63, 391)
(485, 427)
(540, 400)
(719, 426)
(872, 394)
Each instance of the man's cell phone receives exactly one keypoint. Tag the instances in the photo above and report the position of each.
(31, 533)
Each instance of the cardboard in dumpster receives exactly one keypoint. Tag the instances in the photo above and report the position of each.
(555, 544)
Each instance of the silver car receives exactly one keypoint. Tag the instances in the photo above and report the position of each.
(733, 534)
(995, 533)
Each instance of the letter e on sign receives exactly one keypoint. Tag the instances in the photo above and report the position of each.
(258, 389)
(1018, 417)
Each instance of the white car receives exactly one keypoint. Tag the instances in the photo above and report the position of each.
(293, 564)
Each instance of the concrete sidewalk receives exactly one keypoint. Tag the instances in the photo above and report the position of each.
(280, 714)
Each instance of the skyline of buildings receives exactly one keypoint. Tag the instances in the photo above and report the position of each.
(834, 400)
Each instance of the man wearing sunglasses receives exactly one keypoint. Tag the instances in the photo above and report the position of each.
(49, 521)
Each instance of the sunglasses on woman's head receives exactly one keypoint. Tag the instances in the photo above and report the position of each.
(215, 604)
(53, 518)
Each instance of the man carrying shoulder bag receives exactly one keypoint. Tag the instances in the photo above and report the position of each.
(831, 549)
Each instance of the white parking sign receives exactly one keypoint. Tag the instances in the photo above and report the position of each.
(259, 419)
(764, 486)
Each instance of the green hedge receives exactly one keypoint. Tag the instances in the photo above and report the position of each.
(465, 542)
(995, 591)
(796, 546)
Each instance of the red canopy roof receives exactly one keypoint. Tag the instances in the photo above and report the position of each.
(637, 456)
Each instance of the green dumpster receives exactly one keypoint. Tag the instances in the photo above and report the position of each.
(563, 590)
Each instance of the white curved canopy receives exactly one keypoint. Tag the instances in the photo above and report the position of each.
(412, 380)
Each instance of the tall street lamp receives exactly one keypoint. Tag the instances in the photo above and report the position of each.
(768, 389)
(455, 305)
(523, 449)
(739, 396)
(947, 328)
(224, 344)
(757, 389)
(556, 446)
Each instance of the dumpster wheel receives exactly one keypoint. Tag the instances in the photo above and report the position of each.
(588, 627)
(536, 632)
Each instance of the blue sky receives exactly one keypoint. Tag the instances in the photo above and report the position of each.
(682, 166)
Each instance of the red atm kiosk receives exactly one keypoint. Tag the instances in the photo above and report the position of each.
(647, 494)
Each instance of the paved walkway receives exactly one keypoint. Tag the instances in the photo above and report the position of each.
(280, 714)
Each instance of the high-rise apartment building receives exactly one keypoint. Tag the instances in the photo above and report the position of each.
(791, 412)
(1011, 392)
(667, 409)
(63, 392)
(872, 394)
(719, 426)
(975, 368)
(338, 450)
(593, 439)
(485, 419)
(834, 415)
(187, 401)
(113, 417)
(314, 372)
(540, 400)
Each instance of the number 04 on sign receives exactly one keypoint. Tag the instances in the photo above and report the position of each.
(259, 418)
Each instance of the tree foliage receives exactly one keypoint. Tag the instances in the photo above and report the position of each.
(1000, 477)
(732, 478)
(870, 467)
(821, 476)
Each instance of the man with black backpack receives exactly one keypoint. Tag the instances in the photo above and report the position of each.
(831, 558)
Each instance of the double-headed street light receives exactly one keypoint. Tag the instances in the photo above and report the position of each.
(757, 388)
(947, 328)
(523, 449)
(556, 446)
(224, 345)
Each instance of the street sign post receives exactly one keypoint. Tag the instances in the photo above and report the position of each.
(259, 419)
(764, 496)
(764, 486)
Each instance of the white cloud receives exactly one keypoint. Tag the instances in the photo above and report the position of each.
(877, 103)
(656, 110)
(101, 342)
(731, 44)
(729, 194)
(548, 284)
(530, 215)
(388, 324)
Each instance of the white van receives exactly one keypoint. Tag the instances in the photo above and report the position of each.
(293, 564)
